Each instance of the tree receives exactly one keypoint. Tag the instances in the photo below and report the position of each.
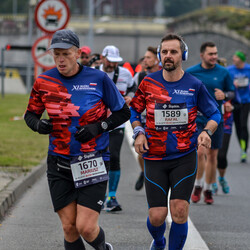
(180, 7)
(6, 7)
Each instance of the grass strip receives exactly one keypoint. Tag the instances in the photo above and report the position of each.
(20, 147)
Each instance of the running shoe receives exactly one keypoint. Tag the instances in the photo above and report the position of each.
(214, 188)
(108, 246)
(112, 205)
(243, 157)
(154, 247)
(224, 185)
(196, 196)
(139, 182)
(208, 197)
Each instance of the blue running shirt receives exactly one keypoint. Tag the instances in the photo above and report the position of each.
(75, 101)
(242, 77)
(175, 105)
(217, 77)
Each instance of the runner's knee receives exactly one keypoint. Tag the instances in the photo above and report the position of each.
(87, 230)
(157, 216)
(70, 231)
(179, 211)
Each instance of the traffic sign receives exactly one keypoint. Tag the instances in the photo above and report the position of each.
(41, 55)
(52, 15)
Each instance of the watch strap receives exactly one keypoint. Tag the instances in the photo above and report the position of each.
(208, 131)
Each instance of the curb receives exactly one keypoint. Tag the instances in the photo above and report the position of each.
(18, 187)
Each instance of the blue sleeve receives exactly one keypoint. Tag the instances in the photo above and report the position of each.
(111, 95)
(206, 104)
(135, 116)
(216, 116)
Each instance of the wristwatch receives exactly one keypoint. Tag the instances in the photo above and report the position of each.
(104, 125)
(209, 132)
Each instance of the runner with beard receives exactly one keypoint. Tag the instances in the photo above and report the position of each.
(168, 143)
(124, 82)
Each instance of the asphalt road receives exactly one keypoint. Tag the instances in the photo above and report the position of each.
(225, 225)
(31, 224)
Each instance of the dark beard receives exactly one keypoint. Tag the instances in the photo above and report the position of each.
(169, 69)
(109, 69)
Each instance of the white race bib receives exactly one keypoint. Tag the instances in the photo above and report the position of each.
(88, 169)
(170, 116)
(241, 82)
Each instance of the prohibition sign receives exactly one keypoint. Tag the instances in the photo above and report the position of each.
(41, 55)
(52, 15)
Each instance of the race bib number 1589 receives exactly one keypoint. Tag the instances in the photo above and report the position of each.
(170, 116)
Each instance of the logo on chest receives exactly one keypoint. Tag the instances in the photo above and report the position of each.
(189, 92)
(91, 86)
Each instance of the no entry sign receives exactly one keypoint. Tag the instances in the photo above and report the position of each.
(41, 55)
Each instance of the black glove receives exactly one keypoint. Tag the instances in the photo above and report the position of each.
(88, 132)
(44, 126)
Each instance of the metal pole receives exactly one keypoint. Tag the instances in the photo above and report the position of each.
(14, 7)
(136, 37)
(30, 29)
(203, 4)
(90, 40)
(2, 72)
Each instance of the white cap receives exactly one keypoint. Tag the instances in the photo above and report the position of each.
(112, 53)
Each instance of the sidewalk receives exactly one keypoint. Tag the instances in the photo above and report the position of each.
(13, 185)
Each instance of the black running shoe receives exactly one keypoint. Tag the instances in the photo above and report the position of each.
(112, 205)
(139, 182)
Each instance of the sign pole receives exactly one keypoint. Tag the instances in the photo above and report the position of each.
(2, 72)
(30, 30)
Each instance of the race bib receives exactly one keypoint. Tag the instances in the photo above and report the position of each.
(241, 82)
(88, 169)
(170, 116)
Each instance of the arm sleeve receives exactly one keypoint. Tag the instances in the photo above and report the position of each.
(118, 117)
(32, 119)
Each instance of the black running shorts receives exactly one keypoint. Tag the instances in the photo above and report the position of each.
(178, 175)
(63, 191)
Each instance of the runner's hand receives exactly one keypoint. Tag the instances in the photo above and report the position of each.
(141, 144)
(204, 140)
(87, 132)
(219, 94)
(44, 126)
